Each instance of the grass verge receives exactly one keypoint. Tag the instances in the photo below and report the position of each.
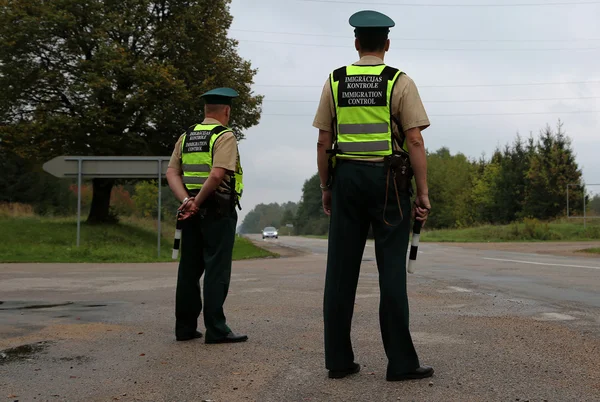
(50, 240)
(591, 250)
(528, 230)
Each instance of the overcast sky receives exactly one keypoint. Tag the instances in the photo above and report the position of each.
(438, 47)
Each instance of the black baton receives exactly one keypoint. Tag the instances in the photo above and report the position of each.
(414, 247)
(177, 238)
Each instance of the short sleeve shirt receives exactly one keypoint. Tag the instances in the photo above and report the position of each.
(407, 106)
(225, 152)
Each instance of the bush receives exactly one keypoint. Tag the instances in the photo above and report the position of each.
(121, 202)
(15, 210)
(592, 232)
(146, 199)
(535, 230)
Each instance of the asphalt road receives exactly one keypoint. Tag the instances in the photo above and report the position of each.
(566, 281)
(496, 325)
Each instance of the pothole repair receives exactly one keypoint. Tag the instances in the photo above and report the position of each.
(23, 352)
(37, 306)
(20, 306)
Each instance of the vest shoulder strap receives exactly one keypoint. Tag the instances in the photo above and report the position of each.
(389, 72)
(220, 130)
(190, 129)
(339, 74)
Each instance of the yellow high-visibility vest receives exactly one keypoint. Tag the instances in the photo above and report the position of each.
(197, 156)
(363, 108)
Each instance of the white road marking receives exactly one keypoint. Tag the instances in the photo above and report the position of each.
(556, 317)
(456, 306)
(454, 289)
(542, 263)
(367, 295)
(457, 289)
(257, 290)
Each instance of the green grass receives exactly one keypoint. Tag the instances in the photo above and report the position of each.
(591, 250)
(529, 230)
(35, 239)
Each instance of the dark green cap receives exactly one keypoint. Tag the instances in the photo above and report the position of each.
(371, 19)
(219, 96)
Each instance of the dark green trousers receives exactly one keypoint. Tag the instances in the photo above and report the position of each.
(206, 248)
(358, 201)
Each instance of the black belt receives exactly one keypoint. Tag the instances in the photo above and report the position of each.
(359, 162)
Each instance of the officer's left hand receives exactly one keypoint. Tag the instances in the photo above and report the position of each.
(187, 210)
(326, 197)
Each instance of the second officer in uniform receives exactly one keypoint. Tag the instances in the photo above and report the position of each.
(205, 174)
(370, 119)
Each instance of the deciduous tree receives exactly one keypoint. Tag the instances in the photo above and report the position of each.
(114, 77)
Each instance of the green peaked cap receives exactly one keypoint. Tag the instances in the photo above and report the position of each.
(371, 19)
(220, 96)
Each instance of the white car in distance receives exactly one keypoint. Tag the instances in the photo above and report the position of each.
(270, 232)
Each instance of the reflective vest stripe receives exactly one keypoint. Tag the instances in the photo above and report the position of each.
(371, 146)
(376, 128)
(196, 168)
(194, 180)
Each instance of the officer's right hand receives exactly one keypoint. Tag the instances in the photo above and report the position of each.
(422, 208)
(184, 203)
(326, 197)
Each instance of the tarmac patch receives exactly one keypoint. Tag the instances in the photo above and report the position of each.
(427, 338)
(257, 290)
(25, 306)
(139, 285)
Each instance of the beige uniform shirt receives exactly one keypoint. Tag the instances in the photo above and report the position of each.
(407, 106)
(225, 153)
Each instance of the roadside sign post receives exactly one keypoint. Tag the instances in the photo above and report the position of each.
(159, 212)
(584, 209)
(109, 167)
(585, 217)
(79, 180)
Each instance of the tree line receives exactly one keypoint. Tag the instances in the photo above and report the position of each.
(527, 178)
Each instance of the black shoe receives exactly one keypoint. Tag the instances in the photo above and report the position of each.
(343, 373)
(417, 374)
(230, 338)
(195, 335)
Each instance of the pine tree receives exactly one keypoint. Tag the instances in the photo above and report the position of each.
(552, 168)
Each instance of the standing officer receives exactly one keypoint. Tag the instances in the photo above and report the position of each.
(369, 117)
(206, 176)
